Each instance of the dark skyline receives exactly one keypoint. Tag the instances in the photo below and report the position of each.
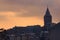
(27, 12)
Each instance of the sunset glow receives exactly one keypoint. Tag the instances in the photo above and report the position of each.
(27, 12)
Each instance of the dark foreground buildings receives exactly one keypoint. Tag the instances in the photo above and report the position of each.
(50, 31)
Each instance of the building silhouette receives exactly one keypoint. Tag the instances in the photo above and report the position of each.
(48, 32)
(47, 25)
(47, 19)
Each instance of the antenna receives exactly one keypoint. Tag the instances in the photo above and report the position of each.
(47, 6)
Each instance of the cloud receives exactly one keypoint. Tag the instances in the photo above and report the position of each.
(5, 16)
(2, 18)
(27, 12)
(23, 8)
(30, 8)
(15, 5)
(30, 12)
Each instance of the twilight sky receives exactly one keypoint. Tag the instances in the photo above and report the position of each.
(27, 12)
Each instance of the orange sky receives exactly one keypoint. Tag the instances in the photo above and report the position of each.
(9, 20)
(27, 12)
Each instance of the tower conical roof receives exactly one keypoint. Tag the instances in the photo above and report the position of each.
(47, 12)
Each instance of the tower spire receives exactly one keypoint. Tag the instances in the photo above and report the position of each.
(47, 18)
(47, 12)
